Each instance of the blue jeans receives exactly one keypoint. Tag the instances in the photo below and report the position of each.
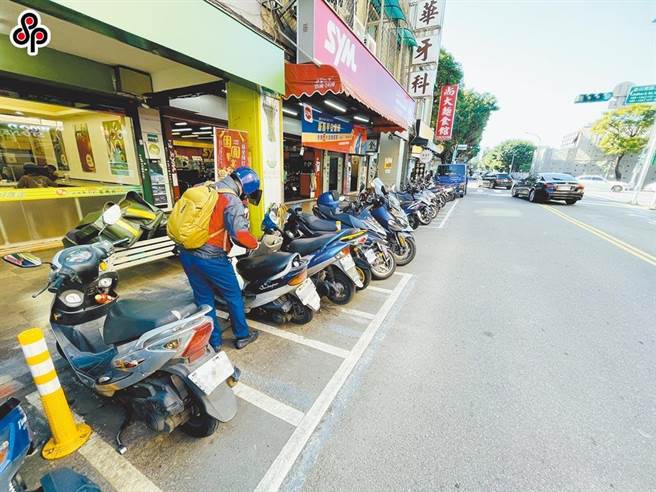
(207, 274)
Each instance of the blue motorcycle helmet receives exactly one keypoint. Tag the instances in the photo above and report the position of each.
(250, 183)
(327, 199)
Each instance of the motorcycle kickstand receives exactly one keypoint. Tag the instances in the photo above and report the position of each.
(124, 425)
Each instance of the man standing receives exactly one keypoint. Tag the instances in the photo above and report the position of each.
(209, 268)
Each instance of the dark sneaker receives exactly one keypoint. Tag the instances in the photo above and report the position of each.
(240, 343)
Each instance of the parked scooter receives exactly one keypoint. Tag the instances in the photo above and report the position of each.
(153, 357)
(330, 264)
(374, 250)
(139, 220)
(276, 284)
(16, 443)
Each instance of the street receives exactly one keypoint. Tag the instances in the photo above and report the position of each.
(515, 353)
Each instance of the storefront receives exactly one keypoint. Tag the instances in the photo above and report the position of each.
(342, 105)
(94, 111)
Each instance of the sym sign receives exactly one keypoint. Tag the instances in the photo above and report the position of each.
(324, 39)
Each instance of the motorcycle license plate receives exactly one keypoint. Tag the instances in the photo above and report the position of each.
(212, 373)
(308, 295)
(370, 255)
(349, 267)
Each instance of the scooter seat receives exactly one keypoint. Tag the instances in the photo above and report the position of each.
(319, 225)
(308, 246)
(258, 267)
(128, 319)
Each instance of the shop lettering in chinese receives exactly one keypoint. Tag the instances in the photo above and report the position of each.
(446, 112)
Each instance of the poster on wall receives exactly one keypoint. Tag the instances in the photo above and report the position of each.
(230, 151)
(158, 177)
(271, 111)
(59, 149)
(84, 148)
(325, 132)
(118, 160)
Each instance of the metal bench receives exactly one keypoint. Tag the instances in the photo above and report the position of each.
(143, 252)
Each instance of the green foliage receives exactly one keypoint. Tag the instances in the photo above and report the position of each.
(473, 110)
(501, 157)
(625, 131)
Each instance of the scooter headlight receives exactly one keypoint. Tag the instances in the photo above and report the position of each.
(72, 298)
(105, 282)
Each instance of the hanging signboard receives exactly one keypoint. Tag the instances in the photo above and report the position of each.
(427, 49)
(422, 83)
(446, 112)
(428, 14)
(230, 151)
(321, 131)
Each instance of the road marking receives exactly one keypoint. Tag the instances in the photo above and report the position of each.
(357, 312)
(113, 467)
(379, 289)
(270, 405)
(605, 236)
(300, 339)
(285, 460)
(448, 214)
(430, 227)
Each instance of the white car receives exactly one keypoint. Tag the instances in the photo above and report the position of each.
(599, 183)
(650, 187)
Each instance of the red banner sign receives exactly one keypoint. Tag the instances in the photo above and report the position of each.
(446, 112)
(230, 151)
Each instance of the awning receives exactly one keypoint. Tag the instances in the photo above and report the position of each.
(393, 10)
(406, 37)
(308, 79)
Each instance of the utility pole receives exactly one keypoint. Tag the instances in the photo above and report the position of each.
(512, 162)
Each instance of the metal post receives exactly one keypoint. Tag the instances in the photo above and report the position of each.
(379, 40)
(512, 163)
(649, 160)
(455, 154)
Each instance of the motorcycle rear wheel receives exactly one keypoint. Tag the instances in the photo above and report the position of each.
(201, 425)
(384, 267)
(300, 314)
(345, 288)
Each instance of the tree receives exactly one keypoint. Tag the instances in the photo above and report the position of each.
(624, 130)
(515, 153)
(473, 110)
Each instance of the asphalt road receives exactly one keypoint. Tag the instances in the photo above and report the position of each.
(522, 359)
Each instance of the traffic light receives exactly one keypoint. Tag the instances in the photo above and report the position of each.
(594, 97)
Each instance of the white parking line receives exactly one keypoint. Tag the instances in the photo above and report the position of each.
(379, 289)
(270, 405)
(285, 460)
(357, 312)
(113, 467)
(315, 344)
(448, 214)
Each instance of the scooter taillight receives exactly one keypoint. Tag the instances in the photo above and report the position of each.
(196, 345)
(298, 279)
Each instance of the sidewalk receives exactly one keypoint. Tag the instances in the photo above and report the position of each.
(644, 197)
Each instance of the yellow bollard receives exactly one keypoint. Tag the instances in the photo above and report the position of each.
(67, 436)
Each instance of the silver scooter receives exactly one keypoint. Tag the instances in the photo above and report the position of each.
(151, 355)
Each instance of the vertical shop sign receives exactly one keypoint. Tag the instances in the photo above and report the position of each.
(422, 83)
(428, 15)
(84, 148)
(427, 49)
(118, 161)
(230, 151)
(446, 112)
(158, 178)
(59, 149)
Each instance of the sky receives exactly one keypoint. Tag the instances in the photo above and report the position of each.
(536, 56)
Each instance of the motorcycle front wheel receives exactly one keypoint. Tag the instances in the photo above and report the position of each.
(364, 272)
(424, 216)
(342, 289)
(405, 254)
(384, 266)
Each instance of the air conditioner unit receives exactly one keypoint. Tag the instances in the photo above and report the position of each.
(359, 30)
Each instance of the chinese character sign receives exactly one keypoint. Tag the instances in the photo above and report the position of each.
(428, 14)
(446, 112)
(427, 50)
(421, 83)
(230, 151)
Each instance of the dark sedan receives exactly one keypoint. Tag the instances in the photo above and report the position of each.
(493, 180)
(549, 186)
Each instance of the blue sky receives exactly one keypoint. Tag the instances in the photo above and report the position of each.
(537, 55)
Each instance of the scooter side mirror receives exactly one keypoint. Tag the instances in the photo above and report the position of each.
(112, 215)
(23, 260)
